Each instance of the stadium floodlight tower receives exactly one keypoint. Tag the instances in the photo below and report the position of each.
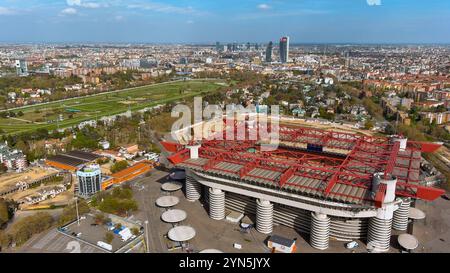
(328, 184)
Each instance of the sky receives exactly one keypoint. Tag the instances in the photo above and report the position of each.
(208, 21)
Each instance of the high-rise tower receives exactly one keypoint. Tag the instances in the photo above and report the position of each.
(269, 50)
(284, 49)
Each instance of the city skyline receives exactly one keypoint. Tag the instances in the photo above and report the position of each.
(177, 21)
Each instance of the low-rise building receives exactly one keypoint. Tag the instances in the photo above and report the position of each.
(89, 180)
(44, 194)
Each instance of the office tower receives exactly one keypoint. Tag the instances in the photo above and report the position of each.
(184, 60)
(284, 49)
(21, 68)
(229, 47)
(89, 180)
(218, 47)
(269, 51)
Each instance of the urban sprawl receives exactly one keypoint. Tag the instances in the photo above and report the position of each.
(87, 152)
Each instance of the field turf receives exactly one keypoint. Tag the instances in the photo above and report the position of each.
(106, 104)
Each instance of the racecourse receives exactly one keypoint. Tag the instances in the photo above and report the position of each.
(76, 110)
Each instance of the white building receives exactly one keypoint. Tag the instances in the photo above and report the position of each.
(12, 159)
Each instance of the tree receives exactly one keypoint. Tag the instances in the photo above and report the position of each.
(86, 139)
(135, 231)
(26, 227)
(119, 201)
(21, 145)
(69, 213)
(100, 219)
(3, 168)
(109, 237)
(119, 166)
(390, 130)
(368, 125)
(4, 212)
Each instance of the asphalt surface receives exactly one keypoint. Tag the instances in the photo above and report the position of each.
(433, 232)
(55, 242)
(221, 235)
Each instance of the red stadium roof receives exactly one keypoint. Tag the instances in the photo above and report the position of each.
(324, 164)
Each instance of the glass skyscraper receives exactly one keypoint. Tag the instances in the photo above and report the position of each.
(269, 51)
(284, 49)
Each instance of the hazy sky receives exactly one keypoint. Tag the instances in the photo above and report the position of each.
(176, 21)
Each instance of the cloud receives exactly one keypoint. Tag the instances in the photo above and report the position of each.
(73, 2)
(81, 3)
(164, 8)
(264, 7)
(189, 22)
(6, 11)
(374, 2)
(292, 13)
(68, 11)
(119, 18)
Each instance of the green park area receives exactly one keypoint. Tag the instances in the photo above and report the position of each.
(70, 112)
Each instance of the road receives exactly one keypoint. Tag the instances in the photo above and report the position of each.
(146, 191)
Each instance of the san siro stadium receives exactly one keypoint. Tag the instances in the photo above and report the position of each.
(328, 184)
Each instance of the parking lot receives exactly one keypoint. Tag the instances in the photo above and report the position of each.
(221, 235)
(433, 233)
(55, 242)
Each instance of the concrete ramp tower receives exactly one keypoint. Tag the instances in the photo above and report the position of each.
(193, 188)
(216, 204)
(320, 230)
(379, 233)
(264, 216)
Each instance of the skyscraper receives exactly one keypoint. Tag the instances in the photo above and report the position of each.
(284, 49)
(21, 68)
(218, 47)
(235, 47)
(229, 47)
(269, 50)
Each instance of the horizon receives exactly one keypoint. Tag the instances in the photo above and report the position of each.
(200, 22)
(212, 44)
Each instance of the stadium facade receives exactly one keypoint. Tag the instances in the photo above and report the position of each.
(342, 186)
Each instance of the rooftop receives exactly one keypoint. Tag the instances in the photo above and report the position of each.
(74, 158)
(329, 165)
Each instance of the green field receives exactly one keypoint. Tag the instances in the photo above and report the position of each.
(106, 104)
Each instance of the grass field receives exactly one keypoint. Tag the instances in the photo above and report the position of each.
(97, 106)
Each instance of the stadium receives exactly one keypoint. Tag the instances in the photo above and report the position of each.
(328, 184)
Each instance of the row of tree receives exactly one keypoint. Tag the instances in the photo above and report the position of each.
(25, 228)
(119, 201)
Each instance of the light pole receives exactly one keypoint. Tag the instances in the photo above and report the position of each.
(76, 207)
(146, 236)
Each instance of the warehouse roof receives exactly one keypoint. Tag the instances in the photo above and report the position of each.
(74, 158)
